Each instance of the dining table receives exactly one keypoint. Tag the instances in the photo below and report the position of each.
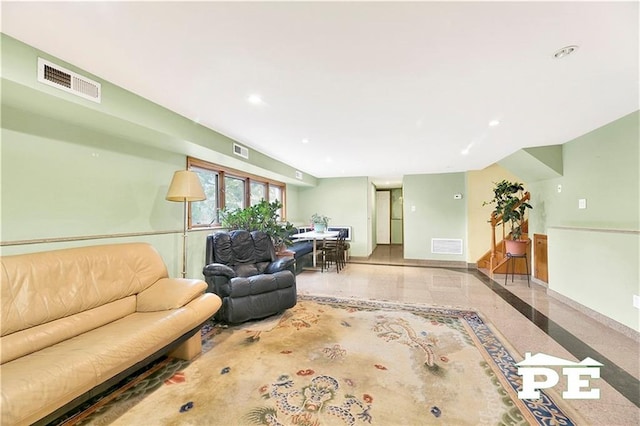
(315, 236)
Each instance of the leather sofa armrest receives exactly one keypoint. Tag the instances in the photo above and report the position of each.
(214, 269)
(282, 264)
(169, 293)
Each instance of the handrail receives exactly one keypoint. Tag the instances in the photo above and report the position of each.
(495, 220)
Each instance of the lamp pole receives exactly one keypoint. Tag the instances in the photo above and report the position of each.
(185, 187)
(184, 240)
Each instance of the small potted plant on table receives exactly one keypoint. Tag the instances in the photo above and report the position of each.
(320, 222)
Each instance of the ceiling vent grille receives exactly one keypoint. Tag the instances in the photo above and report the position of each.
(69, 81)
(240, 151)
(446, 246)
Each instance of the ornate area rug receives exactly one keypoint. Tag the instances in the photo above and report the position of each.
(336, 362)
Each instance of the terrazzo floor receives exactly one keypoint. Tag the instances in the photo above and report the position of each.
(529, 319)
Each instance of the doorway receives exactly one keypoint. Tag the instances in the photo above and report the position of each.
(389, 223)
(383, 217)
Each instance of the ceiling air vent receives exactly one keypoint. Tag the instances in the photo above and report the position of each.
(69, 81)
(240, 151)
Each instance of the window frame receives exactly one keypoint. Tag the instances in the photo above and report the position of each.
(223, 171)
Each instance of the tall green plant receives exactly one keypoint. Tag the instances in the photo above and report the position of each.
(507, 203)
(264, 217)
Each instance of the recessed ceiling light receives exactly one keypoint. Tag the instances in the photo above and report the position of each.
(305, 140)
(254, 99)
(565, 51)
(494, 123)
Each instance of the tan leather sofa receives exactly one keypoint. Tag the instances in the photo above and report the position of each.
(76, 321)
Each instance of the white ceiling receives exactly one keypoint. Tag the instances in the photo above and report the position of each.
(378, 89)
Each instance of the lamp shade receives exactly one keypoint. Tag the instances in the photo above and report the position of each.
(185, 186)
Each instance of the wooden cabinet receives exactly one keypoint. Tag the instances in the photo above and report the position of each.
(540, 267)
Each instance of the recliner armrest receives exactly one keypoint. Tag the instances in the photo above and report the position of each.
(214, 269)
(282, 264)
(169, 293)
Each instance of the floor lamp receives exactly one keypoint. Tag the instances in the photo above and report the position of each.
(185, 186)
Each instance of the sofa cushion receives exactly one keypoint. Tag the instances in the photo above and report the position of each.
(62, 372)
(239, 247)
(241, 309)
(223, 253)
(33, 339)
(263, 248)
(258, 284)
(246, 270)
(41, 287)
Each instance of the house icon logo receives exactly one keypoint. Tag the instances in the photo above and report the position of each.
(534, 366)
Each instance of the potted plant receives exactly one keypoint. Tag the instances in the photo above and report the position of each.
(260, 217)
(320, 222)
(510, 205)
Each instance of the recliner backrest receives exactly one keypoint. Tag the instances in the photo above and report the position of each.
(248, 253)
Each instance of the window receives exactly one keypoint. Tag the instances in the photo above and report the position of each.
(275, 193)
(229, 189)
(204, 213)
(258, 192)
(234, 192)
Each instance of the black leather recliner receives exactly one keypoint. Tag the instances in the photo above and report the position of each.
(241, 268)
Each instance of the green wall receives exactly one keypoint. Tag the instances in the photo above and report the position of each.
(87, 183)
(593, 252)
(76, 173)
(601, 167)
(58, 190)
(345, 201)
(430, 211)
(598, 269)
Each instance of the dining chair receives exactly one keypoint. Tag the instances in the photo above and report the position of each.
(333, 251)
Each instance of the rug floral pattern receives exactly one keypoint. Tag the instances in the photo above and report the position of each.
(335, 362)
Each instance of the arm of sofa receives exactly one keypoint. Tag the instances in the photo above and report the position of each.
(214, 269)
(282, 264)
(169, 293)
(218, 278)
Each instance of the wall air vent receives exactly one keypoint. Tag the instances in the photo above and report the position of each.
(240, 151)
(299, 175)
(69, 81)
(446, 246)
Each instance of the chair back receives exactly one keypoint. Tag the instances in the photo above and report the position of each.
(248, 253)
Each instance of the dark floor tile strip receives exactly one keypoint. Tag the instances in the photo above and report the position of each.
(618, 378)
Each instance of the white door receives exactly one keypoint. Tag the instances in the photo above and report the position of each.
(383, 217)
